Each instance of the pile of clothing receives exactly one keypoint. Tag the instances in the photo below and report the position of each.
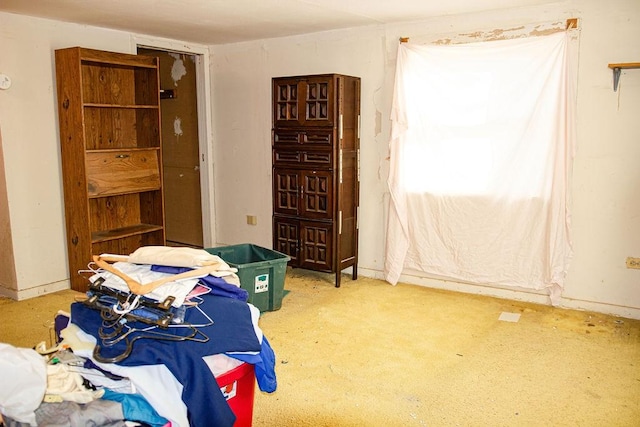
(155, 285)
(63, 389)
(167, 321)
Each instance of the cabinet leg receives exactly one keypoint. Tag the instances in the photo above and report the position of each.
(354, 274)
(338, 274)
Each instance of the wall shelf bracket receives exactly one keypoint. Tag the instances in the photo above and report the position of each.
(617, 69)
(616, 78)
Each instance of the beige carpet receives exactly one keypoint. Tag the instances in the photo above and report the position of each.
(370, 354)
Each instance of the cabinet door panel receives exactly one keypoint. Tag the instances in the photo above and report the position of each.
(304, 101)
(319, 100)
(317, 194)
(285, 191)
(286, 238)
(285, 102)
(316, 246)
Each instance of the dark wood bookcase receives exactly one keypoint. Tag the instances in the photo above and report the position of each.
(315, 146)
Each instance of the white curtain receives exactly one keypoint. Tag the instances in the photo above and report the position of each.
(481, 149)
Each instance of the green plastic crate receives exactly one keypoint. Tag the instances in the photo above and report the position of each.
(261, 272)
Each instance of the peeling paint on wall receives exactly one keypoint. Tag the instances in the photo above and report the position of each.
(178, 69)
(505, 33)
(177, 127)
(378, 129)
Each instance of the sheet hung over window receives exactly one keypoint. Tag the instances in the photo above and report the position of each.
(481, 149)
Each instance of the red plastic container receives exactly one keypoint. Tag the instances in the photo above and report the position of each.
(238, 386)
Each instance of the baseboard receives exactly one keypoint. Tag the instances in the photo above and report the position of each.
(598, 307)
(525, 295)
(36, 291)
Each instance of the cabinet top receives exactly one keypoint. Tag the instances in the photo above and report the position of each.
(310, 76)
(114, 58)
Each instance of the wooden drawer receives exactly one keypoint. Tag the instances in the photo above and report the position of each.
(307, 137)
(111, 172)
(302, 158)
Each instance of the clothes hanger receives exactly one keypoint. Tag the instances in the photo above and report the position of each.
(140, 289)
(145, 333)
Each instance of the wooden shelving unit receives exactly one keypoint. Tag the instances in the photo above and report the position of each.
(109, 114)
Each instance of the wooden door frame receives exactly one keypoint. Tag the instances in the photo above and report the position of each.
(205, 123)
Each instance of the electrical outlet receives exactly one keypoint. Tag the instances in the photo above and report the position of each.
(633, 262)
(253, 220)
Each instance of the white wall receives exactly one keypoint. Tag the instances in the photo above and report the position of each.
(606, 190)
(606, 206)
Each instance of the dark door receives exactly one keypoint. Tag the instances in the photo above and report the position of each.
(180, 147)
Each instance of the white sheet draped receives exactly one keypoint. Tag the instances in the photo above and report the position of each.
(481, 149)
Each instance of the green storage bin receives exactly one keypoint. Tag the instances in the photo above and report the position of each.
(261, 272)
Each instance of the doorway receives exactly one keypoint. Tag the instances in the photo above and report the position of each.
(180, 147)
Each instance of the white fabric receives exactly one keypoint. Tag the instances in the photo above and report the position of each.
(65, 384)
(24, 381)
(481, 149)
(174, 256)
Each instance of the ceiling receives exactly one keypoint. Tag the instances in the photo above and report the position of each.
(229, 21)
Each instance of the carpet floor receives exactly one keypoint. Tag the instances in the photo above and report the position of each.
(371, 354)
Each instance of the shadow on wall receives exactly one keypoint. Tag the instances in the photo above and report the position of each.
(8, 278)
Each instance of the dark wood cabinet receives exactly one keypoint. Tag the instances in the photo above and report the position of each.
(315, 143)
(109, 115)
